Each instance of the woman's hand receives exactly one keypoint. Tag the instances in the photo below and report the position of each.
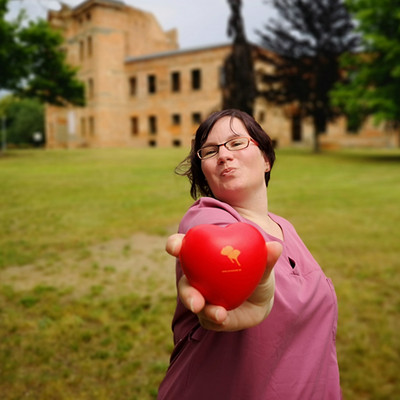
(253, 311)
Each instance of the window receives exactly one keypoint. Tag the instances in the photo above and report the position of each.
(176, 119)
(151, 81)
(176, 143)
(90, 88)
(134, 126)
(91, 126)
(133, 86)
(196, 79)
(89, 46)
(83, 127)
(81, 49)
(51, 129)
(176, 82)
(196, 118)
(222, 77)
(152, 124)
(296, 128)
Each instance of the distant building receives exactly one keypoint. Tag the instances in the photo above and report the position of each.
(141, 89)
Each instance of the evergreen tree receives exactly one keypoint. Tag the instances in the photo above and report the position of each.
(306, 41)
(239, 88)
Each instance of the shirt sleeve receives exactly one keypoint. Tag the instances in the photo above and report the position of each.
(209, 211)
(204, 211)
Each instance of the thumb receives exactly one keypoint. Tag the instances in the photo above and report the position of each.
(274, 252)
(264, 293)
(174, 244)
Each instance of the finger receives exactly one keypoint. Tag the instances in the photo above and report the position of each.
(263, 296)
(190, 296)
(213, 317)
(174, 244)
(210, 316)
(215, 314)
(274, 252)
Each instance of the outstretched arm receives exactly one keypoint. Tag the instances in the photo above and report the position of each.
(253, 311)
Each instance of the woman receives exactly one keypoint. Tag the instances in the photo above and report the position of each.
(280, 343)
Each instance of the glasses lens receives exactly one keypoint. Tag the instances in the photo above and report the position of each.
(207, 152)
(231, 145)
(237, 144)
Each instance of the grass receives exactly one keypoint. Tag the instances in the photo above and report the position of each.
(77, 323)
(346, 208)
(52, 201)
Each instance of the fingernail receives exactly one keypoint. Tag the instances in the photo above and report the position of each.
(217, 314)
(174, 245)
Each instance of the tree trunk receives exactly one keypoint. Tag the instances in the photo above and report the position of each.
(239, 87)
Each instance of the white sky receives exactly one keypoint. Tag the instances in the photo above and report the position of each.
(199, 22)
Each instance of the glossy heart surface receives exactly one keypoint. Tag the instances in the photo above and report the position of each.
(224, 263)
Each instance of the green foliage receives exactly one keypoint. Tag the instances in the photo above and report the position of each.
(373, 85)
(24, 117)
(33, 64)
(309, 37)
(52, 80)
(13, 55)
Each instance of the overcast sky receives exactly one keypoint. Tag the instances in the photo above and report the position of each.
(199, 22)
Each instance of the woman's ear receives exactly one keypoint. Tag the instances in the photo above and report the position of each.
(267, 164)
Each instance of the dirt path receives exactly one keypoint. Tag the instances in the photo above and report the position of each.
(138, 264)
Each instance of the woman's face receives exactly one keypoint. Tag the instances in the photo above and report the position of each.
(234, 174)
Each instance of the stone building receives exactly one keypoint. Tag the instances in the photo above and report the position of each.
(142, 89)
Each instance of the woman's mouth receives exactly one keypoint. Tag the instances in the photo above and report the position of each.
(227, 171)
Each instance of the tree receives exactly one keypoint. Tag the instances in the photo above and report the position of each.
(307, 40)
(32, 63)
(12, 54)
(373, 75)
(239, 87)
(25, 117)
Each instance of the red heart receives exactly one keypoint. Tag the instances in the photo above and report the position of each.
(224, 263)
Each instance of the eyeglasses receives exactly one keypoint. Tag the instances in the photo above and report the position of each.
(235, 144)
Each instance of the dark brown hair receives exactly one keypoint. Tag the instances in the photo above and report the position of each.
(191, 165)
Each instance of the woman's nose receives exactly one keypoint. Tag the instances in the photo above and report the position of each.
(224, 154)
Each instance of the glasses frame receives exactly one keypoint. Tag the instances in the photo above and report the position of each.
(217, 146)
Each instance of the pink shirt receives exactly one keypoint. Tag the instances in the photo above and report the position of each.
(290, 355)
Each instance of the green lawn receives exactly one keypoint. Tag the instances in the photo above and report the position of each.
(57, 200)
(76, 323)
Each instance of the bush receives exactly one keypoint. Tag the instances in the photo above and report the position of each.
(24, 118)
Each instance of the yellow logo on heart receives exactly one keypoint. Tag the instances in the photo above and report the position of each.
(232, 254)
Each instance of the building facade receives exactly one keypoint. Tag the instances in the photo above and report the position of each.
(142, 89)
